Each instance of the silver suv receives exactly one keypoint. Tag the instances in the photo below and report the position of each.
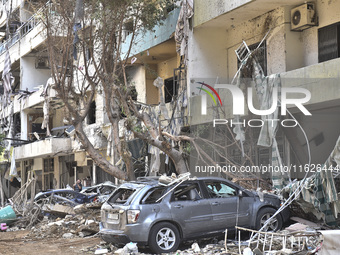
(161, 216)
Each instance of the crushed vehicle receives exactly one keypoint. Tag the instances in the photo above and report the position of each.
(103, 190)
(64, 196)
(162, 216)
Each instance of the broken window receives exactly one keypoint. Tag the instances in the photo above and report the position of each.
(328, 42)
(170, 89)
(128, 28)
(188, 192)
(91, 116)
(121, 196)
(48, 174)
(48, 165)
(218, 189)
(153, 195)
(260, 54)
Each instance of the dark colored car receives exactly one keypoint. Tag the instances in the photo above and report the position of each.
(161, 216)
(103, 190)
(64, 196)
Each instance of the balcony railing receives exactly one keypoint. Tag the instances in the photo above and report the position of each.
(24, 29)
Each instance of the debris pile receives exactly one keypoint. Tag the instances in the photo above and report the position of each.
(84, 223)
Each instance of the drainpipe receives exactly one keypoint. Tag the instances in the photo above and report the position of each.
(75, 174)
(94, 176)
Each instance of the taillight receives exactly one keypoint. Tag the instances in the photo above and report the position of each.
(132, 216)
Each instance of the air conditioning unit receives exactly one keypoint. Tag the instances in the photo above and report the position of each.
(303, 17)
(70, 131)
(42, 63)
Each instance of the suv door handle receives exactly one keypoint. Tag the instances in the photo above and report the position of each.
(178, 206)
(215, 203)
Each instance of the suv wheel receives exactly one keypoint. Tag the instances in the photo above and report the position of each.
(164, 237)
(263, 215)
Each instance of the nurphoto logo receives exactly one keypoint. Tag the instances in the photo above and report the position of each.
(239, 98)
(282, 99)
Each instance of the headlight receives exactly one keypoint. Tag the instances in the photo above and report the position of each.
(132, 216)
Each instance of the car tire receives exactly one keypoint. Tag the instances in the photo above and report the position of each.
(164, 237)
(263, 215)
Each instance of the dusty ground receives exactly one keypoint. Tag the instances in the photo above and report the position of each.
(16, 243)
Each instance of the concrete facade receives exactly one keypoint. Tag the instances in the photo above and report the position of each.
(59, 160)
(219, 29)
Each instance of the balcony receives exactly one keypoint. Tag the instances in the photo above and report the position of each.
(27, 37)
(48, 147)
(152, 38)
(34, 100)
(321, 80)
(15, 4)
(23, 30)
(223, 13)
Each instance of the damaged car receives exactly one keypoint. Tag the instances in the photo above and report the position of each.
(162, 216)
(102, 190)
(64, 196)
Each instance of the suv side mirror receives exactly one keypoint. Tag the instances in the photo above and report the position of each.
(240, 193)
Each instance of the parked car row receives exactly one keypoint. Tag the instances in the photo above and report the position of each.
(99, 193)
(162, 216)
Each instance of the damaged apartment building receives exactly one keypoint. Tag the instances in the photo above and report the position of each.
(296, 44)
(295, 40)
(43, 144)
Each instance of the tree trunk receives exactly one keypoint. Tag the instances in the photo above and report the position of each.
(97, 158)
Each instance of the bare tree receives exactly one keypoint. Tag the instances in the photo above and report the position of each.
(85, 41)
(85, 46)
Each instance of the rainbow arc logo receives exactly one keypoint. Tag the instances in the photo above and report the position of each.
(209, 93)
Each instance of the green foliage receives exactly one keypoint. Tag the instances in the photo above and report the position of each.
(187, 148)
(2, 136)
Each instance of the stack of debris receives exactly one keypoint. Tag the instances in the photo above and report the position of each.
(84, 222)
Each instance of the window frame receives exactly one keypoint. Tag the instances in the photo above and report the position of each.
(336, 39)
(236, 189)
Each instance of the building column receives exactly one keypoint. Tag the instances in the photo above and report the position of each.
(22, 173)
(56, 172)
(94, 175)
(23, 121)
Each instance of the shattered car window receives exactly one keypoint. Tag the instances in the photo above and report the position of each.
(190, 192)
(219, 189)
(121, 196)
(106, 190)
(153, 195)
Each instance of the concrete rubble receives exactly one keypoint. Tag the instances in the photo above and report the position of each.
(302, 237)
(82, 224)
(66, 220)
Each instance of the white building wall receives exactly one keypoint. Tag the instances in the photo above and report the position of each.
(212, 49)
(100, 109)
(30, 76)
(328, 13)
(138, 79)
(57, 117)
(24, 121)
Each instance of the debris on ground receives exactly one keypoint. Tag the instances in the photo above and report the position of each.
(82, 224)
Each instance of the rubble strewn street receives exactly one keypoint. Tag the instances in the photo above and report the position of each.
(77, 232)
